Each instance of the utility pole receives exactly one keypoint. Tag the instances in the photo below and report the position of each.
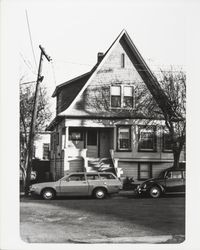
(33, 121)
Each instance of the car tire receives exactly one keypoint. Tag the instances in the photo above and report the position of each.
(99, 193)
(48, 194)
(155, 192)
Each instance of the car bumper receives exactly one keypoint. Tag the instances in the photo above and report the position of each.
(140, 190)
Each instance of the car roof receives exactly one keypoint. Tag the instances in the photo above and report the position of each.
(181, 168)
(90, 173)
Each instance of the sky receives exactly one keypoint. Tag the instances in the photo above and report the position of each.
(73, 32)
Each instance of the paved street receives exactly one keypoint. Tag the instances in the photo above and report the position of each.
(115, 218)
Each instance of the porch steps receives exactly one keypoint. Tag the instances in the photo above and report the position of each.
(100, 164)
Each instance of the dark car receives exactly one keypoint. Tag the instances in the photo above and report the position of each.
(171, 180)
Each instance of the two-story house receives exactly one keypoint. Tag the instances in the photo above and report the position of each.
(98, 117)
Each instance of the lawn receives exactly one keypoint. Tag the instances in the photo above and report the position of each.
(67, 220)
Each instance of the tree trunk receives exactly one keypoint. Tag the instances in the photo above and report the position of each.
(176, 154)
(28, 176)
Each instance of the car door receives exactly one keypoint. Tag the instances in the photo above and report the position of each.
(74, 185)
(174, 181)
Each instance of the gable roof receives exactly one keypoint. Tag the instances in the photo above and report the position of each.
(83, 77)
(140, 65)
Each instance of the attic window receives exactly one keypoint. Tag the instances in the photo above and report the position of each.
(122, 60)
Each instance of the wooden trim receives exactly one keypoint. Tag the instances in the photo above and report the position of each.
(98, 142)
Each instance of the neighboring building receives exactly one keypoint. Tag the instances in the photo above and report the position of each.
(42, 146)
(41, 157)
(97, 117)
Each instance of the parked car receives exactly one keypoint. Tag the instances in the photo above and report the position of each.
(171, 180)
(97, 184)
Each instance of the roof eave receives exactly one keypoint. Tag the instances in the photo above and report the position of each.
(68, 82)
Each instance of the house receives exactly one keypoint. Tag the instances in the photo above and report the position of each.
(98, 117)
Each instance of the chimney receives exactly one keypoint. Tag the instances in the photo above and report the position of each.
(99, 56)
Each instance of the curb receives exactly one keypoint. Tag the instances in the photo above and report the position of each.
(158, 239)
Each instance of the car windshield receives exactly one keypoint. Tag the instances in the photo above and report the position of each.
(161, 175)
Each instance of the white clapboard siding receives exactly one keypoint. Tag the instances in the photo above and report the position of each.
(76, 165)
(158, 167)
(129, 169)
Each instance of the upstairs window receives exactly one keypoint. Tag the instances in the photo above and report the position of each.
(147, 138)
(122, 96)
(124, 138)
(115, 96)
(128, 97)
(122, 60)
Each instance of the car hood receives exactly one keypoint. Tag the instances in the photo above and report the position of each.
(44, 184)
(149, 181)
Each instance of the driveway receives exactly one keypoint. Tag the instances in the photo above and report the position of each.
(118, 218)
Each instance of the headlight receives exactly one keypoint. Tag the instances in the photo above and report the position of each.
(144, 186)
(32, 188)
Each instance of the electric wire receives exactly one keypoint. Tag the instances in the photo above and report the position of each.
(31, 41)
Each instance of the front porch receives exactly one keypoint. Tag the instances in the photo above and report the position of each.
(86, 148)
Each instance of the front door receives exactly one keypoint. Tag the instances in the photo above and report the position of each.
(74, 185)
(92, 143)
(174, 182)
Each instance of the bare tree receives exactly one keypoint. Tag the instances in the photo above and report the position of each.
(173, 85)
(43, 117)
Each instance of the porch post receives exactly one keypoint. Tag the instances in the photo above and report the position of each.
(66, 151)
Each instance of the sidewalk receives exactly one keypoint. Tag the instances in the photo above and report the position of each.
(160, 239)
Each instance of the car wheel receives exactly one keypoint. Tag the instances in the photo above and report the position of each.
(99, 193)
(155, 192)
(48, 194)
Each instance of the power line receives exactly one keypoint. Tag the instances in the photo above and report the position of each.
(29, 30)
(84, 64)
(23, 83)
(26, 63)
(53, 71)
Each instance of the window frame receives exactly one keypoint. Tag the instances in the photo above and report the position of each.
(164, 150)
(76, 174)
(154, 149)
(149, 170)
(48, 152)
(122, 60)
(75, 131)
(130, 136)
(171, 177)
(132, 96)
(120, 96)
